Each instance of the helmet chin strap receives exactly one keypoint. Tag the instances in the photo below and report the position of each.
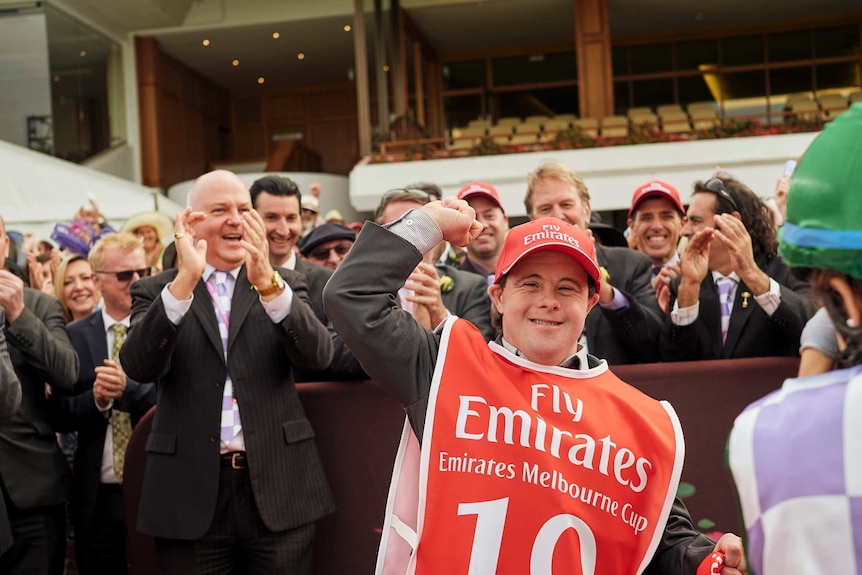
(852, 355)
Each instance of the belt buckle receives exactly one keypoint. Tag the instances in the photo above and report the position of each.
(233, 464)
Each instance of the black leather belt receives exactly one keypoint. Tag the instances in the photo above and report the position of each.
(234, 460)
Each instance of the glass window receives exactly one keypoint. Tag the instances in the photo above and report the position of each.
(693, 89)
(540, 102)
(86, 89)
(25, 81)
(789, 46)
(739, 85)
(842, 41)
(790, 80)
(843, 75)
(693, 55)
(460, 110)
(741, 50)
(534, 69)
(460, 75)
(653, 92)
(622, 102)
(652, 58)
(620, 61)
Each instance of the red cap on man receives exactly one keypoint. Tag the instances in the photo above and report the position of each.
(474, 189)
(656, 189)
(548, 234)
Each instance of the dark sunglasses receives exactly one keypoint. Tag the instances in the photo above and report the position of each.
(323, 253)
(127, 275)
(716, 186)
(420, 194)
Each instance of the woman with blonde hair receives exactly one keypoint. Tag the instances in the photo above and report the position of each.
(74, 287)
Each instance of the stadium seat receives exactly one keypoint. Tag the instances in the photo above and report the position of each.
(615, 127)
(644, 120)
(509, 121)
(698, 106)
(642, 111)
(855, 97)
(675, 122)
(527, 133)
(537, 119)
(832, 105)
(501, 133)
(805, 110)
(663, 110)
(703, 118)
(793, 99)
(589, 126)
(553, 126)
(467, 137)
(479, 123)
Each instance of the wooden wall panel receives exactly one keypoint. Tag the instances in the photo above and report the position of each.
(182, 117)
(325, 115)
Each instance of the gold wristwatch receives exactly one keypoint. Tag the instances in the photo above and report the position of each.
(274, 288)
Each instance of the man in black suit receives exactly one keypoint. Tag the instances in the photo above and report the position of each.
(10, 399)
(625, 326)
(233, 480)
(33, 471)
(434, 290)
(105, 409)
(731, 260)
(277, 200)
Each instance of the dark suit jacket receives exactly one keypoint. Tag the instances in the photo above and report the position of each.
(468, 298)
(10, 399)
(628, 335)
(32, 466)
(358, 300)
(751, 333)
(186, 362)
(344, 365)
(315, 277)
(79, 413)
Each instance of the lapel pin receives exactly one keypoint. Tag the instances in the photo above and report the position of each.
(745, 296)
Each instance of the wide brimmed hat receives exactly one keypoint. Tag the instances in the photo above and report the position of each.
(158, 221)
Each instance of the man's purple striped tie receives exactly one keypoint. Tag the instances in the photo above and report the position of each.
(725, 287)
(230, 423)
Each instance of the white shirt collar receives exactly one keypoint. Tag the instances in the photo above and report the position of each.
(209, 269)
(109, 321)
(581, 354)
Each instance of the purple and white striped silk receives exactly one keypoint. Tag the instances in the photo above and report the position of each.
(725, 287)
(230, 423)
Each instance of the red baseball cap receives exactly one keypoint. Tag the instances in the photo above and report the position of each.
(548, 234)
(656, 189)
(480, 189)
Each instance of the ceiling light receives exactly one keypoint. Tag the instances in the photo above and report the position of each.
(261, 80)
(205, 42)
(300, 56)
(386, 68)
(83, 53)
(56, 78)
(347, 27)
(235, 62)
(275, 35)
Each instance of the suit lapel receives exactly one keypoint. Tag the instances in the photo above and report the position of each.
(738, 318)
(243, 298)
(202, 307)
(97, 340)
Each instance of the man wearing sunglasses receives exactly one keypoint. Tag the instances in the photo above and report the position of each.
(107, 407)
(734, 297)
(34, 473)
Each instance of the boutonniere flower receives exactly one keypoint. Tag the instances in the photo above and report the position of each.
(447, 284)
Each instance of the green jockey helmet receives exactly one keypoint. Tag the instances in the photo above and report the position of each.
(824, 205)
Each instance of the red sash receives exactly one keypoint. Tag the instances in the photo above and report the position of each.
(529, 469)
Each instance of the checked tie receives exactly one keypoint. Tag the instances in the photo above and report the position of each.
(121, 422)
(725, 289)
(230, 424)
